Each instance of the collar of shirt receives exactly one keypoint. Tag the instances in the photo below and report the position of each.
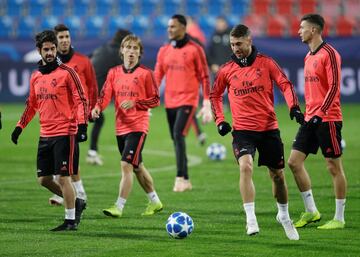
(180, 43)
(318, 48)
(49, 67)
(132, 69)
(66, 57)
(246, 61)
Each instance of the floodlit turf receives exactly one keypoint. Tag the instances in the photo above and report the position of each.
(214, 204)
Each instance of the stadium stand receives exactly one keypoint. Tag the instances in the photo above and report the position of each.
(91, 18)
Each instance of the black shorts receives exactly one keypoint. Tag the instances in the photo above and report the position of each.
(130, 146)
(180, 119)
(327, 136)
(268, 144)
(57, 156)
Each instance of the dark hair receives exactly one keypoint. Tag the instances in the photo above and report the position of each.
(120, 35)
(60, 28)
(240, 30)
(181, 18)
(45, 36)
(314, 19)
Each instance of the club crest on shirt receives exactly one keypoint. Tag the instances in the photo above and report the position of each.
(136, 81)
(53, 83)
(315, 64)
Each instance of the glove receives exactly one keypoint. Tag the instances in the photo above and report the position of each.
(314, 122)
(296, 112)
(224, 128)
(0, 121)
(81, 135)
(15, 135)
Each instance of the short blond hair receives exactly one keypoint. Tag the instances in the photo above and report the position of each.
(132, 38)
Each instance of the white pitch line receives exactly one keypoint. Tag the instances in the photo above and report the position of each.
(193, 160)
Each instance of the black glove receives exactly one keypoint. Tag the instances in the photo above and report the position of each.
(314, 122)
(81, 135)
(224, 128)
(0, 121)
(15, 135)
(296, 112)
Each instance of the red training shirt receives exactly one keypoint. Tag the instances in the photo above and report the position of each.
(138, 85)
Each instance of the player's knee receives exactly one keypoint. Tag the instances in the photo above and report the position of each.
(246, 168)
(44, 181)
(332, 167)
(293, 164)
(277, 176)
(126, 167)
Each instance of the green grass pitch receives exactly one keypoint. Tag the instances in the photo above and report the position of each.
(214, 203)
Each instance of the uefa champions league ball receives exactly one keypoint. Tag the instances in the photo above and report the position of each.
(216, 152)
(179, 225)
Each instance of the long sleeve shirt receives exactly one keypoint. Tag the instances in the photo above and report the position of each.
(250, 92)
(184, 68)
(322, 73)
(138, 85)
(60, 100)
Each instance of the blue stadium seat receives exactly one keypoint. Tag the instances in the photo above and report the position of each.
(60, 7)
(207, 24)
(38, 7)
(140, 25)
(105, 7)
(215, 7)
(6, 25)
(95, 26)
(115, 23)
(15, 7)
(75, 25)
(127, 7)
(26, 27)
(149, 7)
(49, 22)
(239, 7)
(193, 7)
(160, 25)
(81, 7)
(171, 7)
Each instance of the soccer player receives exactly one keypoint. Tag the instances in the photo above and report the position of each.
(83, 67)
(57, 94)
(249, 77)
(183, 64)
(103, 58)
(322, 71)
(134, 90)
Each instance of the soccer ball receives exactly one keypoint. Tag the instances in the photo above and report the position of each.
(216, 152)
(179, 225)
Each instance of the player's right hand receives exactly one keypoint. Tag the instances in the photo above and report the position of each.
(296, 113)
(81, 135)
(224, 128)
(95, 113)
(15, 135)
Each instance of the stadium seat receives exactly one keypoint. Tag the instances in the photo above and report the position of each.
(194, 7)
(256, 23)
(351, 8)
(127, 7)
(38, 7)
(171, 7)
(95, 26)
(116, 23)
(276, 26)
(331, 8)
(149, 7)
(160, 25)
(26, 27)
(60, 7)
(140, 25)
(307, 6)
(7, 26)
(345, 26)
(261, 7)
(284, 7)
(75, 25)
(215, 8)
(105, 7)
(16, 7)
(207, 24)
(294, 26)
(82, 7)
(49, 22)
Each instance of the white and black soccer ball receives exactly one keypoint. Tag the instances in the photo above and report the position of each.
(216, 152)
(179, 225)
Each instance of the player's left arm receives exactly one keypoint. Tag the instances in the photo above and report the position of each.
(202, 70)
(332, 65)
(79, 98)
(152, 97)
(91, 81)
